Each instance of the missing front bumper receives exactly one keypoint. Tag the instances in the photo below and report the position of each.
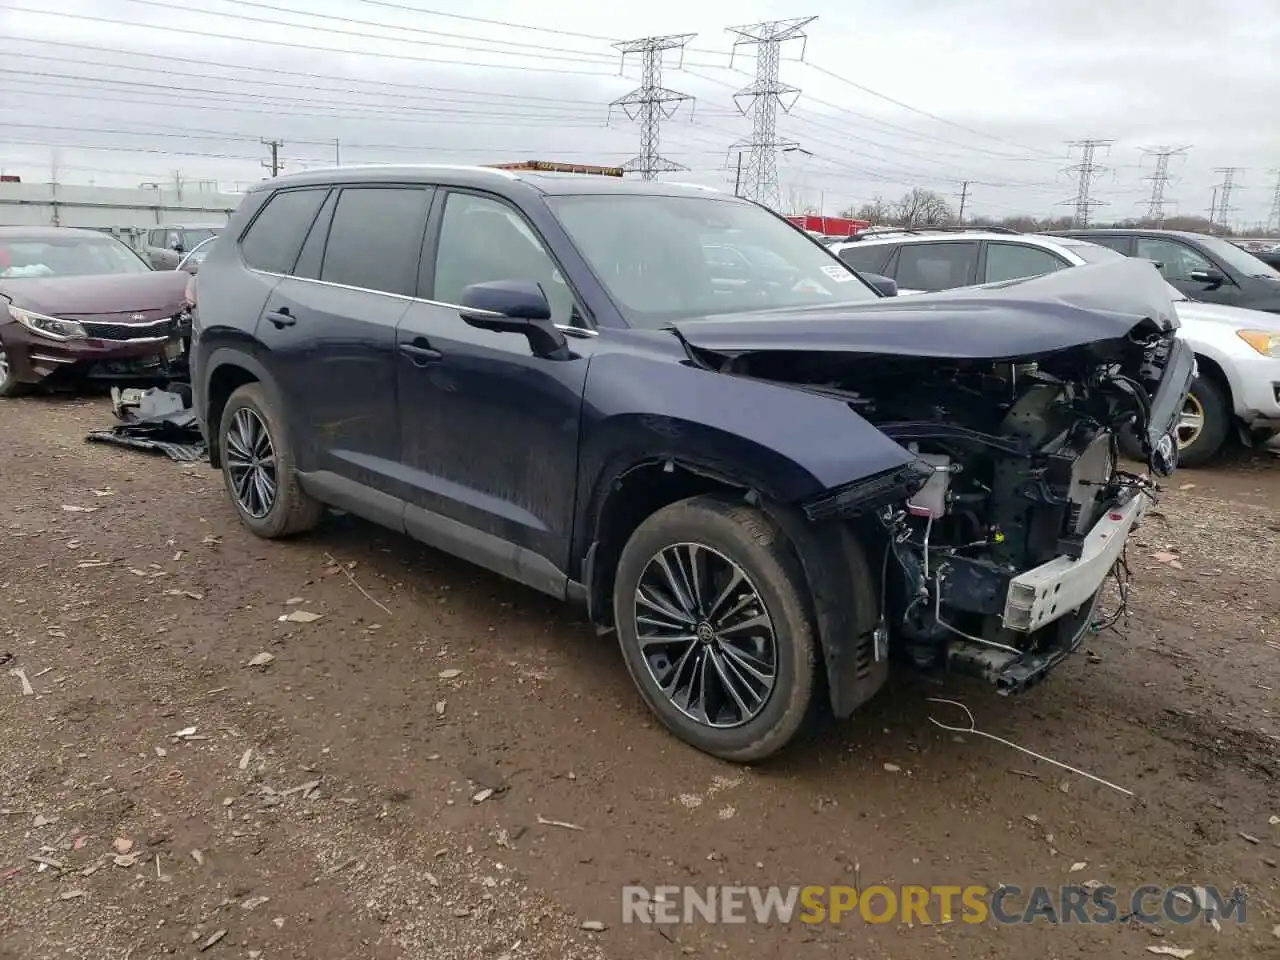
(1053, 590)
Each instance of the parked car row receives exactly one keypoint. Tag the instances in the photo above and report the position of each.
(80, 305)
(675, 408)
(1237, 391)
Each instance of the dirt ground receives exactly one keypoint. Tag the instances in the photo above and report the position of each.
(161, 797)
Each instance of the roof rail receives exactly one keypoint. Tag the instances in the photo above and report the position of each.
(965, 227)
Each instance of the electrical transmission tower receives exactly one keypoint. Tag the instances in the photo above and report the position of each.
(651, 102)
(759, 181)
(1223, 209)
(1273, 219)
(1088, 169)
(1159, 180)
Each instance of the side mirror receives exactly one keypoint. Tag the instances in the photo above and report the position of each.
(176, 246)
(885, 286)
(515, 306)
(1211, 277)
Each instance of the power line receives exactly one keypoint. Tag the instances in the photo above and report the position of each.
(1160, 179)
(286, 44)
(651, 102)
(1087, 170)
(1223, 209)
(759, 181)
(923, 113)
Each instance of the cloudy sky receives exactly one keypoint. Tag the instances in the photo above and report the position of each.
(929, 93)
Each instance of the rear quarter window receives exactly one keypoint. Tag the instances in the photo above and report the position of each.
(276, 234)
(868, 259)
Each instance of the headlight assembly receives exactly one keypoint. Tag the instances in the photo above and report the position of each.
(1266, 342)
(50, 327)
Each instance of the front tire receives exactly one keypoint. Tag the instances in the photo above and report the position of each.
(713, 618)
(1205, 423)
(258, 467)
(9, 385)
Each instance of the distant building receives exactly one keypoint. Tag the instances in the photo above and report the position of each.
(118, 209)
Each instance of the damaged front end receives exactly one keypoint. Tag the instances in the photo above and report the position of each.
(993, 545)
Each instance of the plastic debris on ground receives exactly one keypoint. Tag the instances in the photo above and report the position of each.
(161, 421)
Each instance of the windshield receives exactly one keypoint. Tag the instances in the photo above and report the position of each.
(1238, 259)
(66, 257)
(667, 259)
(192, 238)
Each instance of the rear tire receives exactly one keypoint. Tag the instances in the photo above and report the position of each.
(749, 702)
(258, 467)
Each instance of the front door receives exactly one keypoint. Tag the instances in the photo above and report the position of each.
(489, 431)
(1186, 268)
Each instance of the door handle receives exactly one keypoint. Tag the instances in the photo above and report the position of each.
(420, 351)
(282, 318)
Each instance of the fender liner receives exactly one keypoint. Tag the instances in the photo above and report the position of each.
(846, 605)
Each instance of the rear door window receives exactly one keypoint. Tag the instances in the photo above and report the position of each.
(1013, 261)
(937, 266)
(1122, 244)
(375, 240)
(276, 234)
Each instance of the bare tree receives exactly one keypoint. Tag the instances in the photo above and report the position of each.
(922, 208)
(876, 212)
(798, 202)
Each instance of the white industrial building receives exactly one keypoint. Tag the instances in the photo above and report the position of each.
(122, 211)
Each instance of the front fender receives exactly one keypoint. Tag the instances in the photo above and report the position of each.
(784, 442)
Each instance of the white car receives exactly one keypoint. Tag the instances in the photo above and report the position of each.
(1238, 350)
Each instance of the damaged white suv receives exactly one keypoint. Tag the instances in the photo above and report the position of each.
(1237, 351)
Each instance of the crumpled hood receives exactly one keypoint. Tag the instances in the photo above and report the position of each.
(1021, 319)
(155, 294)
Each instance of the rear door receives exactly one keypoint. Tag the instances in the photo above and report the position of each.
(936, 265)
(331, 323)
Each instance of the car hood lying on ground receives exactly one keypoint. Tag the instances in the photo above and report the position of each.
(155, 294)
(1022, 319)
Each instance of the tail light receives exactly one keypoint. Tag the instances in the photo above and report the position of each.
(189, 295)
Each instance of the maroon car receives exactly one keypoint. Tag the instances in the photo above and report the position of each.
(79, 304)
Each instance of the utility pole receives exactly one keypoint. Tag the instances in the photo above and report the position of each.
(337, 152)
(766, 93)
(1087, 170)
(1222, 207)
(274, 163)
(178, 181)
(1159, 180)
(1273, 219)
(737, 180)
(1213, 208)
(651, 102)
(964, 196)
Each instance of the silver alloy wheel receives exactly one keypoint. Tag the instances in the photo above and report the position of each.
(251, 463)
(4, 365)
(705, 635)
(1190, 422)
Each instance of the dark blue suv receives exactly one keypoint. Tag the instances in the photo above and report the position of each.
(676, 408)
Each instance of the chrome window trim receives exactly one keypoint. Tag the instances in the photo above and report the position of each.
(563, 328)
